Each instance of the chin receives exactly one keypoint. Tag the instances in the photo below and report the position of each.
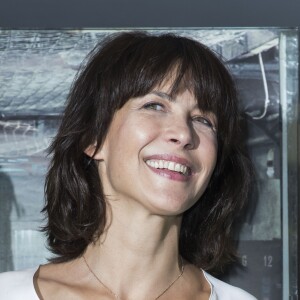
(171, 207)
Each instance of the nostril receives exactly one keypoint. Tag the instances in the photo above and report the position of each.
(189, 146)
(174, 141)
(184, 144)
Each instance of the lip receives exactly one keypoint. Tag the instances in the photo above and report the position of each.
(167, 173)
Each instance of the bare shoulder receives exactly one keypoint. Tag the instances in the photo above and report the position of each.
(224, 291)
(53, 280)
(62, 281)
(17, 285)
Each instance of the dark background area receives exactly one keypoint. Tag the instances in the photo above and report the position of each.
(141, 13)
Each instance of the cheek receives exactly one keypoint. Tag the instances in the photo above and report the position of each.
(210, 147)
(129, 137)
(208, 155)
(140, 132)
(214, 153)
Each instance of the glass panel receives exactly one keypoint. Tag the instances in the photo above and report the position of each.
(267, 81)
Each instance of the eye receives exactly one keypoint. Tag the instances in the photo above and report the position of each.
(204, 122)
(154, 106)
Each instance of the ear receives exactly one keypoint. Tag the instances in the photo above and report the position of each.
(90, 151)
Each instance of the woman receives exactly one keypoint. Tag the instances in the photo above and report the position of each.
(146, 177)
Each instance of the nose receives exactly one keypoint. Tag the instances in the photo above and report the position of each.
(182, 134)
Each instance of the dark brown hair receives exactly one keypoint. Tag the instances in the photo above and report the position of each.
(125, 66)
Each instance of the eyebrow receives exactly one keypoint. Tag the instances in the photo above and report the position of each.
(163, 95)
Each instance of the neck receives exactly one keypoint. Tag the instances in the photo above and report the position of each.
(138, 252)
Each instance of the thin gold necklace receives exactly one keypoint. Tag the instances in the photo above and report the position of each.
(116, 296)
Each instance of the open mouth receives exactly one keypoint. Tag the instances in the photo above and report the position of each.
(169, 165)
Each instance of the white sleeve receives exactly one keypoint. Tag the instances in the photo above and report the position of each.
(224, 291)
(18, 285)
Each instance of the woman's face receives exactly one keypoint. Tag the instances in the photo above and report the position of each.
(159, 152)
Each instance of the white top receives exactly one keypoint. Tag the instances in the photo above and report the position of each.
(19, 285)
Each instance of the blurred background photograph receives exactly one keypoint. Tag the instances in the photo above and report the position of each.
(37, 68)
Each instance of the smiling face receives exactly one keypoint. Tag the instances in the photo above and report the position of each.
(159, 152)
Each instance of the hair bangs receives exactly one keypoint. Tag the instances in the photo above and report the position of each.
(152, 61)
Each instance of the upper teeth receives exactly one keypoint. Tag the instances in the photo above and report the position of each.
(170, 165)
